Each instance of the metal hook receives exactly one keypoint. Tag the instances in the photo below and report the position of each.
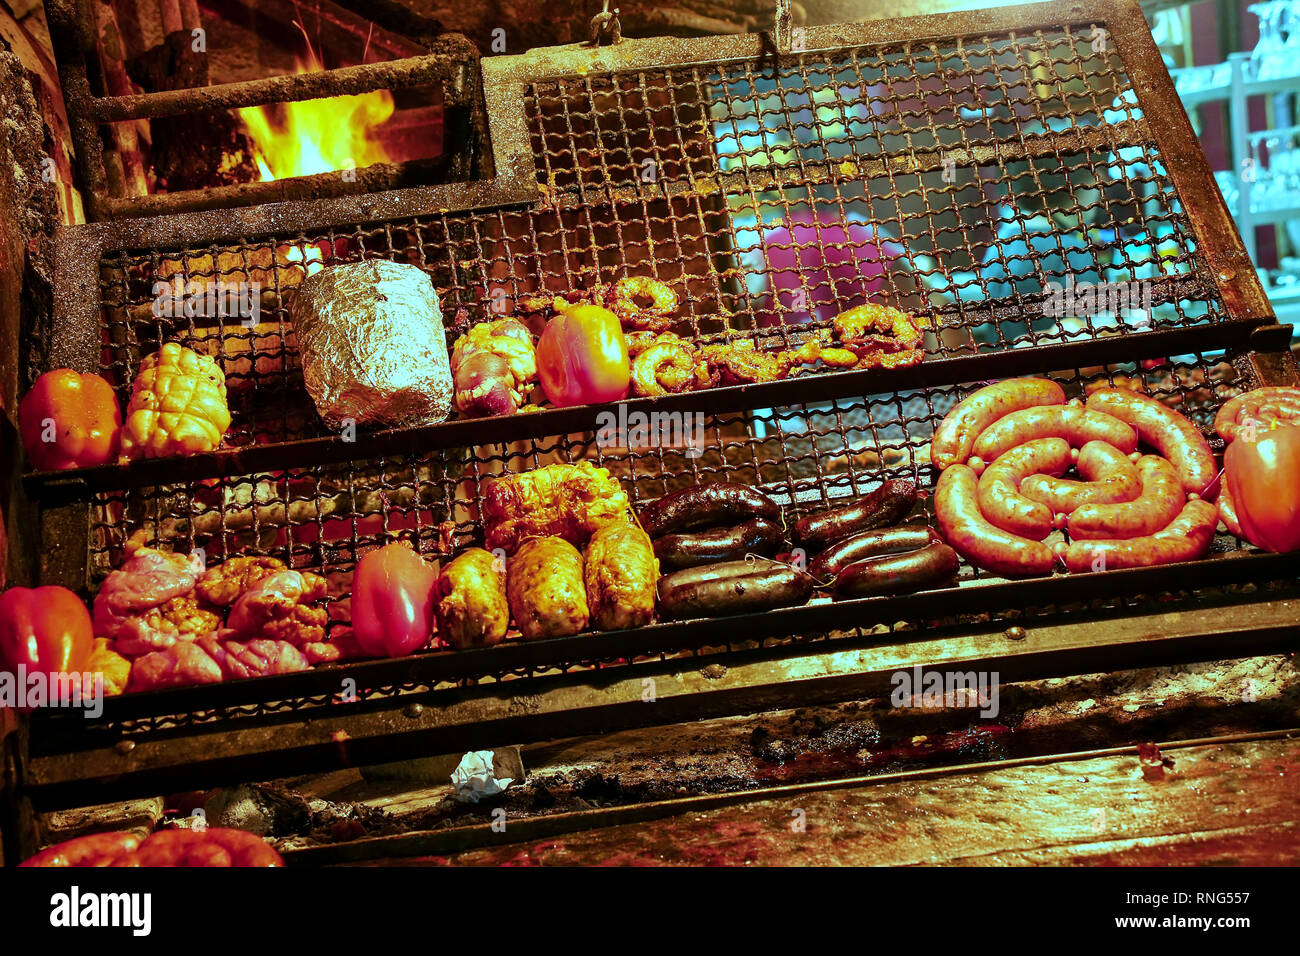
(605, 25)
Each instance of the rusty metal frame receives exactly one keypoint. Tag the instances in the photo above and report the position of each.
(505, 80)
(504, 83)
(452, 63)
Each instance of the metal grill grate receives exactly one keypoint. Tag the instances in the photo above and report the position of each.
(921, 147)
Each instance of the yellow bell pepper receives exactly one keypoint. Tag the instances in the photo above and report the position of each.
(112, 666)
(178, 405)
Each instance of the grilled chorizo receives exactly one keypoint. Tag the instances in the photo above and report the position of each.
(870, 544)
(1166, 430)
(1111, 477)
(545, 588)
(1185, 538)
(703, 506)
(733, 587)
(1159, 502)
(693, 548)
(470, 601)
(1000, 500)
(214, 846)
(94, 849)
(1075, 424)
(1275, 401)
(898, 573)
(620, 574)
(882, 507)
(956, 507)
(956, 434)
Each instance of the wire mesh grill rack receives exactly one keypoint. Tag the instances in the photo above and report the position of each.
(880, 162)
(874, 172)
(805, 456)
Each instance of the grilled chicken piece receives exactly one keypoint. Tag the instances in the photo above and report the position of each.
(545, 588)
(569, 501)
(471, 601)
(620, 575)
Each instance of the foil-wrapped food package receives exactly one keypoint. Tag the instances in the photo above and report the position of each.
(373, 345)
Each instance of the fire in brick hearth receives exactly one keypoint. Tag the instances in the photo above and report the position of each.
(318, 136)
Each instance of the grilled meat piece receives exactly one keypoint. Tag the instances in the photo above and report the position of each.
(256, 658)
(222, 585)
(147, 579)
(545, 588)
(341, 646)
(663, 367)
(180, 619)
(880, 327)
(625, 298)
(279, 608)
(569, 501)
(880, 336)
(182, 663)
(111, 666)
(471, 601)
(495, 367)
(740, 363)
(620, 575)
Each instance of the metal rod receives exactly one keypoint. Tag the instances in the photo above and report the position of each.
(348, 80)
(73, 39)
(377, 177)
(783, 28)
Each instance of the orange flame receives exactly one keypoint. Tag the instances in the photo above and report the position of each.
(318, 136)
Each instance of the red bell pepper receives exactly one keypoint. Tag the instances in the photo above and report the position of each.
(70, 420)
(1263, 479)
(46, 630)
(392, 601)
(582, 356)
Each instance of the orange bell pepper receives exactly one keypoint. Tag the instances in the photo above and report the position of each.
(1263, 477)
(70, 420)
